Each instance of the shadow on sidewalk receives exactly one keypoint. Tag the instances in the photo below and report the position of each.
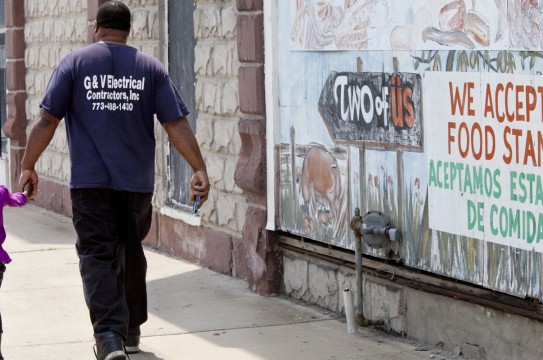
(201, 300)
(226, 316)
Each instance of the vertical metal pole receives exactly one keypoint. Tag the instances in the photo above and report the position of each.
(356, 225)
(359, 283)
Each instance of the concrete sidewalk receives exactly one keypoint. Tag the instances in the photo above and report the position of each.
(194, 313)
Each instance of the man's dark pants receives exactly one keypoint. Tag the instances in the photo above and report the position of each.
(110, 227)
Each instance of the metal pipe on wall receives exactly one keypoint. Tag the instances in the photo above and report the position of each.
(356, 227)
(356, 221)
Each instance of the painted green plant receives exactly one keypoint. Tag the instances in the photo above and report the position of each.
(502, 61)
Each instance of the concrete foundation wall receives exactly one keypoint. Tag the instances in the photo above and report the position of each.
(470, 330)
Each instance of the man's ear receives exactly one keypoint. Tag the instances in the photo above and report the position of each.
(96, 26)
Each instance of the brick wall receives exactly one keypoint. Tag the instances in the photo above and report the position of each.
(16, 122)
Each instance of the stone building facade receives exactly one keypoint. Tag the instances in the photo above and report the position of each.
(229, 235)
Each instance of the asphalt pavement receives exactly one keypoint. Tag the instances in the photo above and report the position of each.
(194, 313)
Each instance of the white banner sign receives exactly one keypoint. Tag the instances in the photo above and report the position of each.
(484, 143)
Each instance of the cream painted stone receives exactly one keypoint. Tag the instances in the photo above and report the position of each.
(202, 61)
(215, 107)
(153, 23)
(230, 98)
(56, 7)
(225, 59)
(241, 215)
(206, 22)
(206, 96)
(31, 84)
(152, 49)
(215, 171)
(39, 58)
(211, 205)
(65, 6)
(31, 58)
(228, 176)
(225, 131)
(225, 211)
(32, 107)
(199, 96)
(69, 30)
(231, 212)
(43, 60)
(204, 132)
(64, 51)
(34, 31)
(132, 4)
(142, 24)
(229, 19)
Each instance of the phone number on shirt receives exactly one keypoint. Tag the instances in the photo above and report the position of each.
(112, 106)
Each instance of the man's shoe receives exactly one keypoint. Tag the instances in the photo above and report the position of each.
(109, 346)
(132, 344)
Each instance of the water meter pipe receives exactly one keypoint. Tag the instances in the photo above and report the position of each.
(375, 227)
(356, 225)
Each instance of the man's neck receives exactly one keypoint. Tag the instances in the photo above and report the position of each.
(112, 36)
(112, 42)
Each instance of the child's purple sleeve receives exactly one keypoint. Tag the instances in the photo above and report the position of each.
(14, 200)
(17, 199)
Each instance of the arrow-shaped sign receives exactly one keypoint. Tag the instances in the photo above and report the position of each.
(376, 108)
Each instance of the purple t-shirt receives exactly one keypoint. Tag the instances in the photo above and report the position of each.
(108, 95)
(7, 199)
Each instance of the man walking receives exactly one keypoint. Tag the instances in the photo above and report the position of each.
(108, 94)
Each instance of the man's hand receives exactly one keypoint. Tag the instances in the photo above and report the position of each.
(28, 181)
(199, 186)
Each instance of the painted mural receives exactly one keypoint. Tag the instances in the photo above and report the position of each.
(417, 24)
(313, 191)
(439, 126)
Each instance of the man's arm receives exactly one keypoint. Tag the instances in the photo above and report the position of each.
(39, 138)
(183, 139)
